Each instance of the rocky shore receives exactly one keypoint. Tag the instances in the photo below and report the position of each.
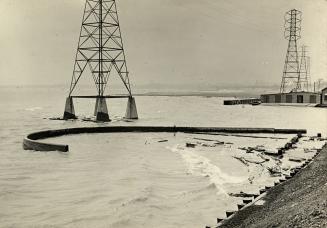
(298, 202)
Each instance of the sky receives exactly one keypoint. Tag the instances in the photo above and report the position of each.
(167, 42)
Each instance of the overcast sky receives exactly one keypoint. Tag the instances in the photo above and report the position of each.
(206, 42)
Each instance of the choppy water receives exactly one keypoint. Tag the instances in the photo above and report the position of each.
(123, 180)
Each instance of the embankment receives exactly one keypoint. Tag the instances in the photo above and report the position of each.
(298, 202)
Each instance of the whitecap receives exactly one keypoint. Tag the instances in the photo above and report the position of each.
(201, 166)
(32, 109)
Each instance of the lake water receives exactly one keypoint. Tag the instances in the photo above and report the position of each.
(132, 179)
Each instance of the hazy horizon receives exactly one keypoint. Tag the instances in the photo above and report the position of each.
(167, 42)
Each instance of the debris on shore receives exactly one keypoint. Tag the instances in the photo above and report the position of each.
(241, 194)
(190, 145)
(299, 202)
(275, 171)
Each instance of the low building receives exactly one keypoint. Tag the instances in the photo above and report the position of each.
(323, 100)
(292, 97)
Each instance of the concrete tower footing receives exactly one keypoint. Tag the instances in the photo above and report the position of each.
(131, 111)
(69, 109)
(96, 106)
(102, 110)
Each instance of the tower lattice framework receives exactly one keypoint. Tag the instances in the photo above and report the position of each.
(291, 73)
(100, 48)
(304, 81)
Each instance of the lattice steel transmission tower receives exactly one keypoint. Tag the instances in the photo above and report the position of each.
(291, 73)
(100, 48)
(304, 81)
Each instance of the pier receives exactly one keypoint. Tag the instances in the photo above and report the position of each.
(242, 101)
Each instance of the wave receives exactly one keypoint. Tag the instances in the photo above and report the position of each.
(32, 109)
(141, 198)
(201, 166)
(206, 189)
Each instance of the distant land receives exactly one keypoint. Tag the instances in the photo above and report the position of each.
(154, 89)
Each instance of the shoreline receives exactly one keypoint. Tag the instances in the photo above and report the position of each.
(298, 202)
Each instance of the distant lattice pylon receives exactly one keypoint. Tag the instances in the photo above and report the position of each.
(291, 73)
(304, 81)
(100, 48)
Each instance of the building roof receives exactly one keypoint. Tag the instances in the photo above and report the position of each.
(294, 93)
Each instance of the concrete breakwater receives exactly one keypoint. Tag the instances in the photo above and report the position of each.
(31, 143)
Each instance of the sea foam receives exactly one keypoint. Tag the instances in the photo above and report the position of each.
(202, 166)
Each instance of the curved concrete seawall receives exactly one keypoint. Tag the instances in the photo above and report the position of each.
(31, 143)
